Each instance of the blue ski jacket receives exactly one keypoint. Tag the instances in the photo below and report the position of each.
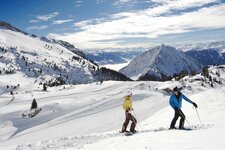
(177, 103)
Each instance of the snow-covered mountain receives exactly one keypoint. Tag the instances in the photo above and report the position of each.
(65, 44)
(113, 56)
(47, 60)
(159, 63)
(5, 25)
(218, 45)
(118, 56)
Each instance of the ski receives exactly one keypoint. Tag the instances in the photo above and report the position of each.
(161, 129)
(128, 133)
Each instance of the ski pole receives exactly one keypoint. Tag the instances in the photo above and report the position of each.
(198, 116)
(185, 118)
(136, 119)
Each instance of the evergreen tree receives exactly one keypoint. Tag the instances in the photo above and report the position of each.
(205, 72)
(44, 87)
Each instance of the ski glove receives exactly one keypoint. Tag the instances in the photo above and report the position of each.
(196, 106)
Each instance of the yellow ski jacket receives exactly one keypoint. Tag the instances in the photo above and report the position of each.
(127, 105)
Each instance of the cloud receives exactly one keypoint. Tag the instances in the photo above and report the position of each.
(167, 6)
(149, 23)
(42, 27)
(87, 23)
(34, 21)
(78, 3)
(62, 21)
(47, 17)
(100, 1)
(123, 2)
(84, 23)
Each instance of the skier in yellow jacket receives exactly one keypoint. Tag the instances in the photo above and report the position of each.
(127, 106)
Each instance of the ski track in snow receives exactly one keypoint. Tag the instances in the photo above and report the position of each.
(79, 142)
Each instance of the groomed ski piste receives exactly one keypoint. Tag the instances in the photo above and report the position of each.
(90, 116)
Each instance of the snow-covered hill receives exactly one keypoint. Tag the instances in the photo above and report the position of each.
(42, 60)
(90, 116)
(159, 63)
(65, 44)
(47, 60)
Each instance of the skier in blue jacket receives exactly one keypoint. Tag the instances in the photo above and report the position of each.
(176, 104)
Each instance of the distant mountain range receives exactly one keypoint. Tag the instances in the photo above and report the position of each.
(123, 55)
(113, 56)
(207, 57)
(218, 45)
(150, 64)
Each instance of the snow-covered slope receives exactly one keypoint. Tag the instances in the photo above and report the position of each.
(5, 25)
(65, 44)
(208, 136)
(90, 116)
(159, 63)
(47, 60)
(75, 110)
(42, 60)
(219, 45)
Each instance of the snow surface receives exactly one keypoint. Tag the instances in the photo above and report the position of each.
(89, 116)
(116, 67)
(38, 58)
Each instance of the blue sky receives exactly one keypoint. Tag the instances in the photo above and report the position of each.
(119, 23)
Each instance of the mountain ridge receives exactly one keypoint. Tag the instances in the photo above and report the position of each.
(218, 45)
(48, 61)
(159, 63)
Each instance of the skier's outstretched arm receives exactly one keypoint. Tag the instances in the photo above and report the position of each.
(188, 100)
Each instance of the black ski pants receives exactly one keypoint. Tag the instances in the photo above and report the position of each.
(129, 117)
(178, 113)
